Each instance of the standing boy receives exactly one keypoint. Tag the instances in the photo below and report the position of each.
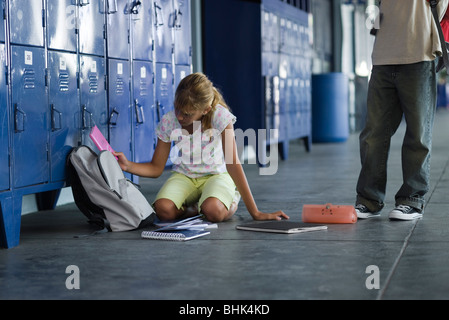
(402, 85)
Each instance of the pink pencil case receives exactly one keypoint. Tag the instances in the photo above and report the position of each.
(99, 140)
(328, 213)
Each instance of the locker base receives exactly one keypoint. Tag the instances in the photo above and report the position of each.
(11, 209)
(10, 220)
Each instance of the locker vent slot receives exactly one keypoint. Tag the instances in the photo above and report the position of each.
(29, 78)
(143, 87)
(63, 81)
(119, 86)
(93, 83)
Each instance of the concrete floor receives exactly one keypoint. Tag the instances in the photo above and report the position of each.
(412, 257)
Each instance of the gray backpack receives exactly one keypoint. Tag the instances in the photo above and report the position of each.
(102, 192)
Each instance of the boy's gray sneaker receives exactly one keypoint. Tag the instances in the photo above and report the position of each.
(364, 213)
(404, 212)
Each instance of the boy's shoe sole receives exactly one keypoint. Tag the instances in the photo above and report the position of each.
(363, 212)
(367, 215)
(398, 215)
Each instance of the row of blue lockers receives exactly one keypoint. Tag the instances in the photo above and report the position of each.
(286, 68)
(143, 29)
(286, 44)
(287, 108)
(111, 63)
(70, 65)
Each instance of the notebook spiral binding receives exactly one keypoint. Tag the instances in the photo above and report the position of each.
(162, 235)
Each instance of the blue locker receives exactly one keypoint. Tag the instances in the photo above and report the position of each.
(284, 95)
(26, 22)
(61, 25)
(266, 42)
(119, 106)
(163, 89)
(144, 113)
(91, 27)
(29, 116)
(63, 109)
(118, 29)
(2, 27)
(4, 127)
(180, 72)
(92, 97)
(142, 31)
(270, 43)
(182, 33)
(163, 22)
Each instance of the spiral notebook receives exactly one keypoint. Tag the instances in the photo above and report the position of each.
(174, 235)
(180, 230)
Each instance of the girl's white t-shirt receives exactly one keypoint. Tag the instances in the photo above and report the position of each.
(200, 153)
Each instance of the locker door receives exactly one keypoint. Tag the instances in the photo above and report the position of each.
(29, 116)
(180, 72)
(182, 33)
(2, 26)
(266, 42)
(164, 89)
(26, 25)
(118, 29)
(142, 33)
(163, 22)
(4, 128)
(61, 25)
(92, 97)
(91, 27)
(63, 109)
(144, 113)
(119, 106)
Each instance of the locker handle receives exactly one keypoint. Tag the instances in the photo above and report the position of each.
(54, 112)
(85, 111)
(160, 110)
(157, 13)
(114, 114)
(19, 113)
(135, 7)
(83, 3)
(178, 19)
(112, 6)
(140, 116)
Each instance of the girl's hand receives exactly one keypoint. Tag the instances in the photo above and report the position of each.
(122, 160)
(278, 215)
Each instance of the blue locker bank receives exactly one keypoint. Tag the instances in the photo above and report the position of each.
(70, 65)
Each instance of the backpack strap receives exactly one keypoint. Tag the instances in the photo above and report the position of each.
(445, 62)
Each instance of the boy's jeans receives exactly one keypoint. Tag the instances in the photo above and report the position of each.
(397, 91)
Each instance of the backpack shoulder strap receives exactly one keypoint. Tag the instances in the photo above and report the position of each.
(433, 6)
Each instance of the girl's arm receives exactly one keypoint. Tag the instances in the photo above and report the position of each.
(151, 169)
(237, 174)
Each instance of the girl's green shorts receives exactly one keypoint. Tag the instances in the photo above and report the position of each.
(183, 190)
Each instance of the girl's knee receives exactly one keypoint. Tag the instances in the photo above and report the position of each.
(165, 209)
(214, 210)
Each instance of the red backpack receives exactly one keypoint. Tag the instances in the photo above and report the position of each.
(445, 26)
(443, 33)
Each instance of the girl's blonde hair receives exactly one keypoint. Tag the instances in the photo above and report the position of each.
(196, 92)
